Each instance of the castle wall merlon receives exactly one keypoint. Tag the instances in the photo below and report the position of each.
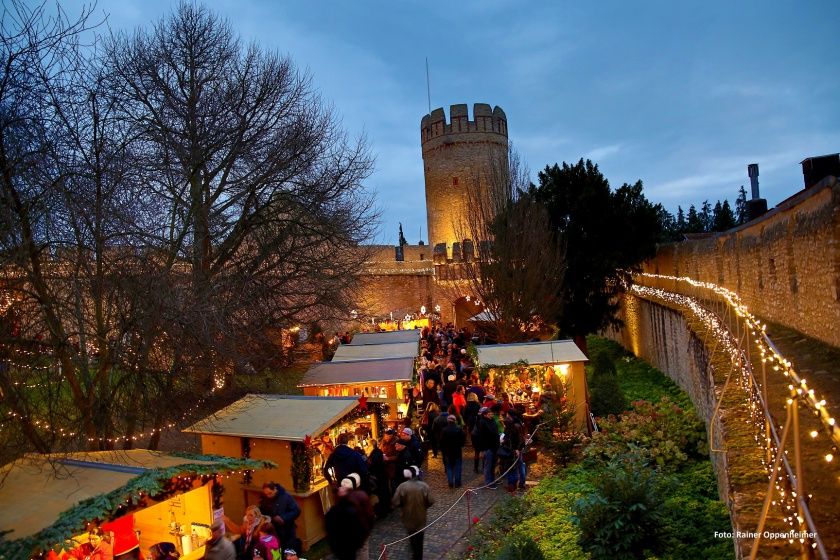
(485, 120)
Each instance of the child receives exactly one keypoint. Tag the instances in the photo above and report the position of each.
(267, 546)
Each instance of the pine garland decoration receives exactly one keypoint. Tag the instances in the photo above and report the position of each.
(106, 507)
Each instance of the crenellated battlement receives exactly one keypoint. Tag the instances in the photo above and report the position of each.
(485, 121)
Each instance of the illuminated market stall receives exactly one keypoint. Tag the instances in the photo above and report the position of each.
(295, 432)
(384, 380)
(62, 504)
(389, 337)
(346, 352)
(523, 370)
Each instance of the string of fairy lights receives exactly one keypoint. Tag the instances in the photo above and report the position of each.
(786, 488)
(38, 370)
(798, 386)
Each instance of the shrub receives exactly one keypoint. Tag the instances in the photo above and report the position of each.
(605, 394)
(520, 547)
(693, 515)
(667, 435)
(622, 518)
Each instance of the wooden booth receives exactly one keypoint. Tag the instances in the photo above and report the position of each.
(382, 380)
(60, 503)
(295, 432)
(389, 337)
(349, 352)
(525, 369)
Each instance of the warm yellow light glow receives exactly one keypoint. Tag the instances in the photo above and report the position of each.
(562, 370)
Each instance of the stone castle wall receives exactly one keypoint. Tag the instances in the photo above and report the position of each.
(662, 337)
(457, 155)
(785, 265)
(381, 294)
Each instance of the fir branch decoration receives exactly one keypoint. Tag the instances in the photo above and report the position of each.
(301, 466)
(105, 507)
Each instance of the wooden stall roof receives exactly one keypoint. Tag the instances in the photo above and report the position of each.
(548, 352)
(385, 370)
(38, 488)
(284, 417)
(390, 337)
(347, 352)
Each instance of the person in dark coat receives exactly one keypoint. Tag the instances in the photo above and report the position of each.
(438, 425)
(382, 488)
(449, 387)
(426, 424)
(283, 510)
(345, 460)
(486, 440)
(470, 417)
(349, 521)
(409, 453)
(452, 440)
(510, 449)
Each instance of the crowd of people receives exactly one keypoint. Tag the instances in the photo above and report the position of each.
(456, 411)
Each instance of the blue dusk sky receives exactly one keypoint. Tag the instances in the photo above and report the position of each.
(682, 95)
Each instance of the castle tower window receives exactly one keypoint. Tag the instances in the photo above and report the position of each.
(454, 181)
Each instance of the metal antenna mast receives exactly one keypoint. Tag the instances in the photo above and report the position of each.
(428, 90)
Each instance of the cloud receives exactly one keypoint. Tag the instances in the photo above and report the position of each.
(603, 152)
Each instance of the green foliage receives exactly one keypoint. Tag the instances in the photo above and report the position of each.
(638, 380)
(693, 514)
(673, 499)
(663, 434)
(606, 234)
(605, 394)
(520, 547)
(283, 381)
(557, 434)
(301, 466)
(623, 517)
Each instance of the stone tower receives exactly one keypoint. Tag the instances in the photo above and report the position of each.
(455, 156)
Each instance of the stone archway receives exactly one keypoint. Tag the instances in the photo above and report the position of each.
(464, 308)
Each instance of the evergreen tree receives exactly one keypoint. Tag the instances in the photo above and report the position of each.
(607, 234)
(694, 223)
(668, 224)
(741, 206)
(723, 216)
(706, 216)
(680, 225)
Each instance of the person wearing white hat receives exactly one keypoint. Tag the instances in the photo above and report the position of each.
(350, 520)
(414, 497)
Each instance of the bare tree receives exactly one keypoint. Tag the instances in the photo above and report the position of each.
(261, 187)
(165, 212)
(519, 260)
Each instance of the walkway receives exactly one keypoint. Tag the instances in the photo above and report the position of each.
(446, 539)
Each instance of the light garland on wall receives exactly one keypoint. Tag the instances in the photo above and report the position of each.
(787, 501)
(769, 354)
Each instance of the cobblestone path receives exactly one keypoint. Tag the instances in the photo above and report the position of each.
(447, 537)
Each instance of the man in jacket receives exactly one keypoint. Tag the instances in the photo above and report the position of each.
(282, 509)
(345, 460)
(487, 439)
(414, 497)
(452, 441)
